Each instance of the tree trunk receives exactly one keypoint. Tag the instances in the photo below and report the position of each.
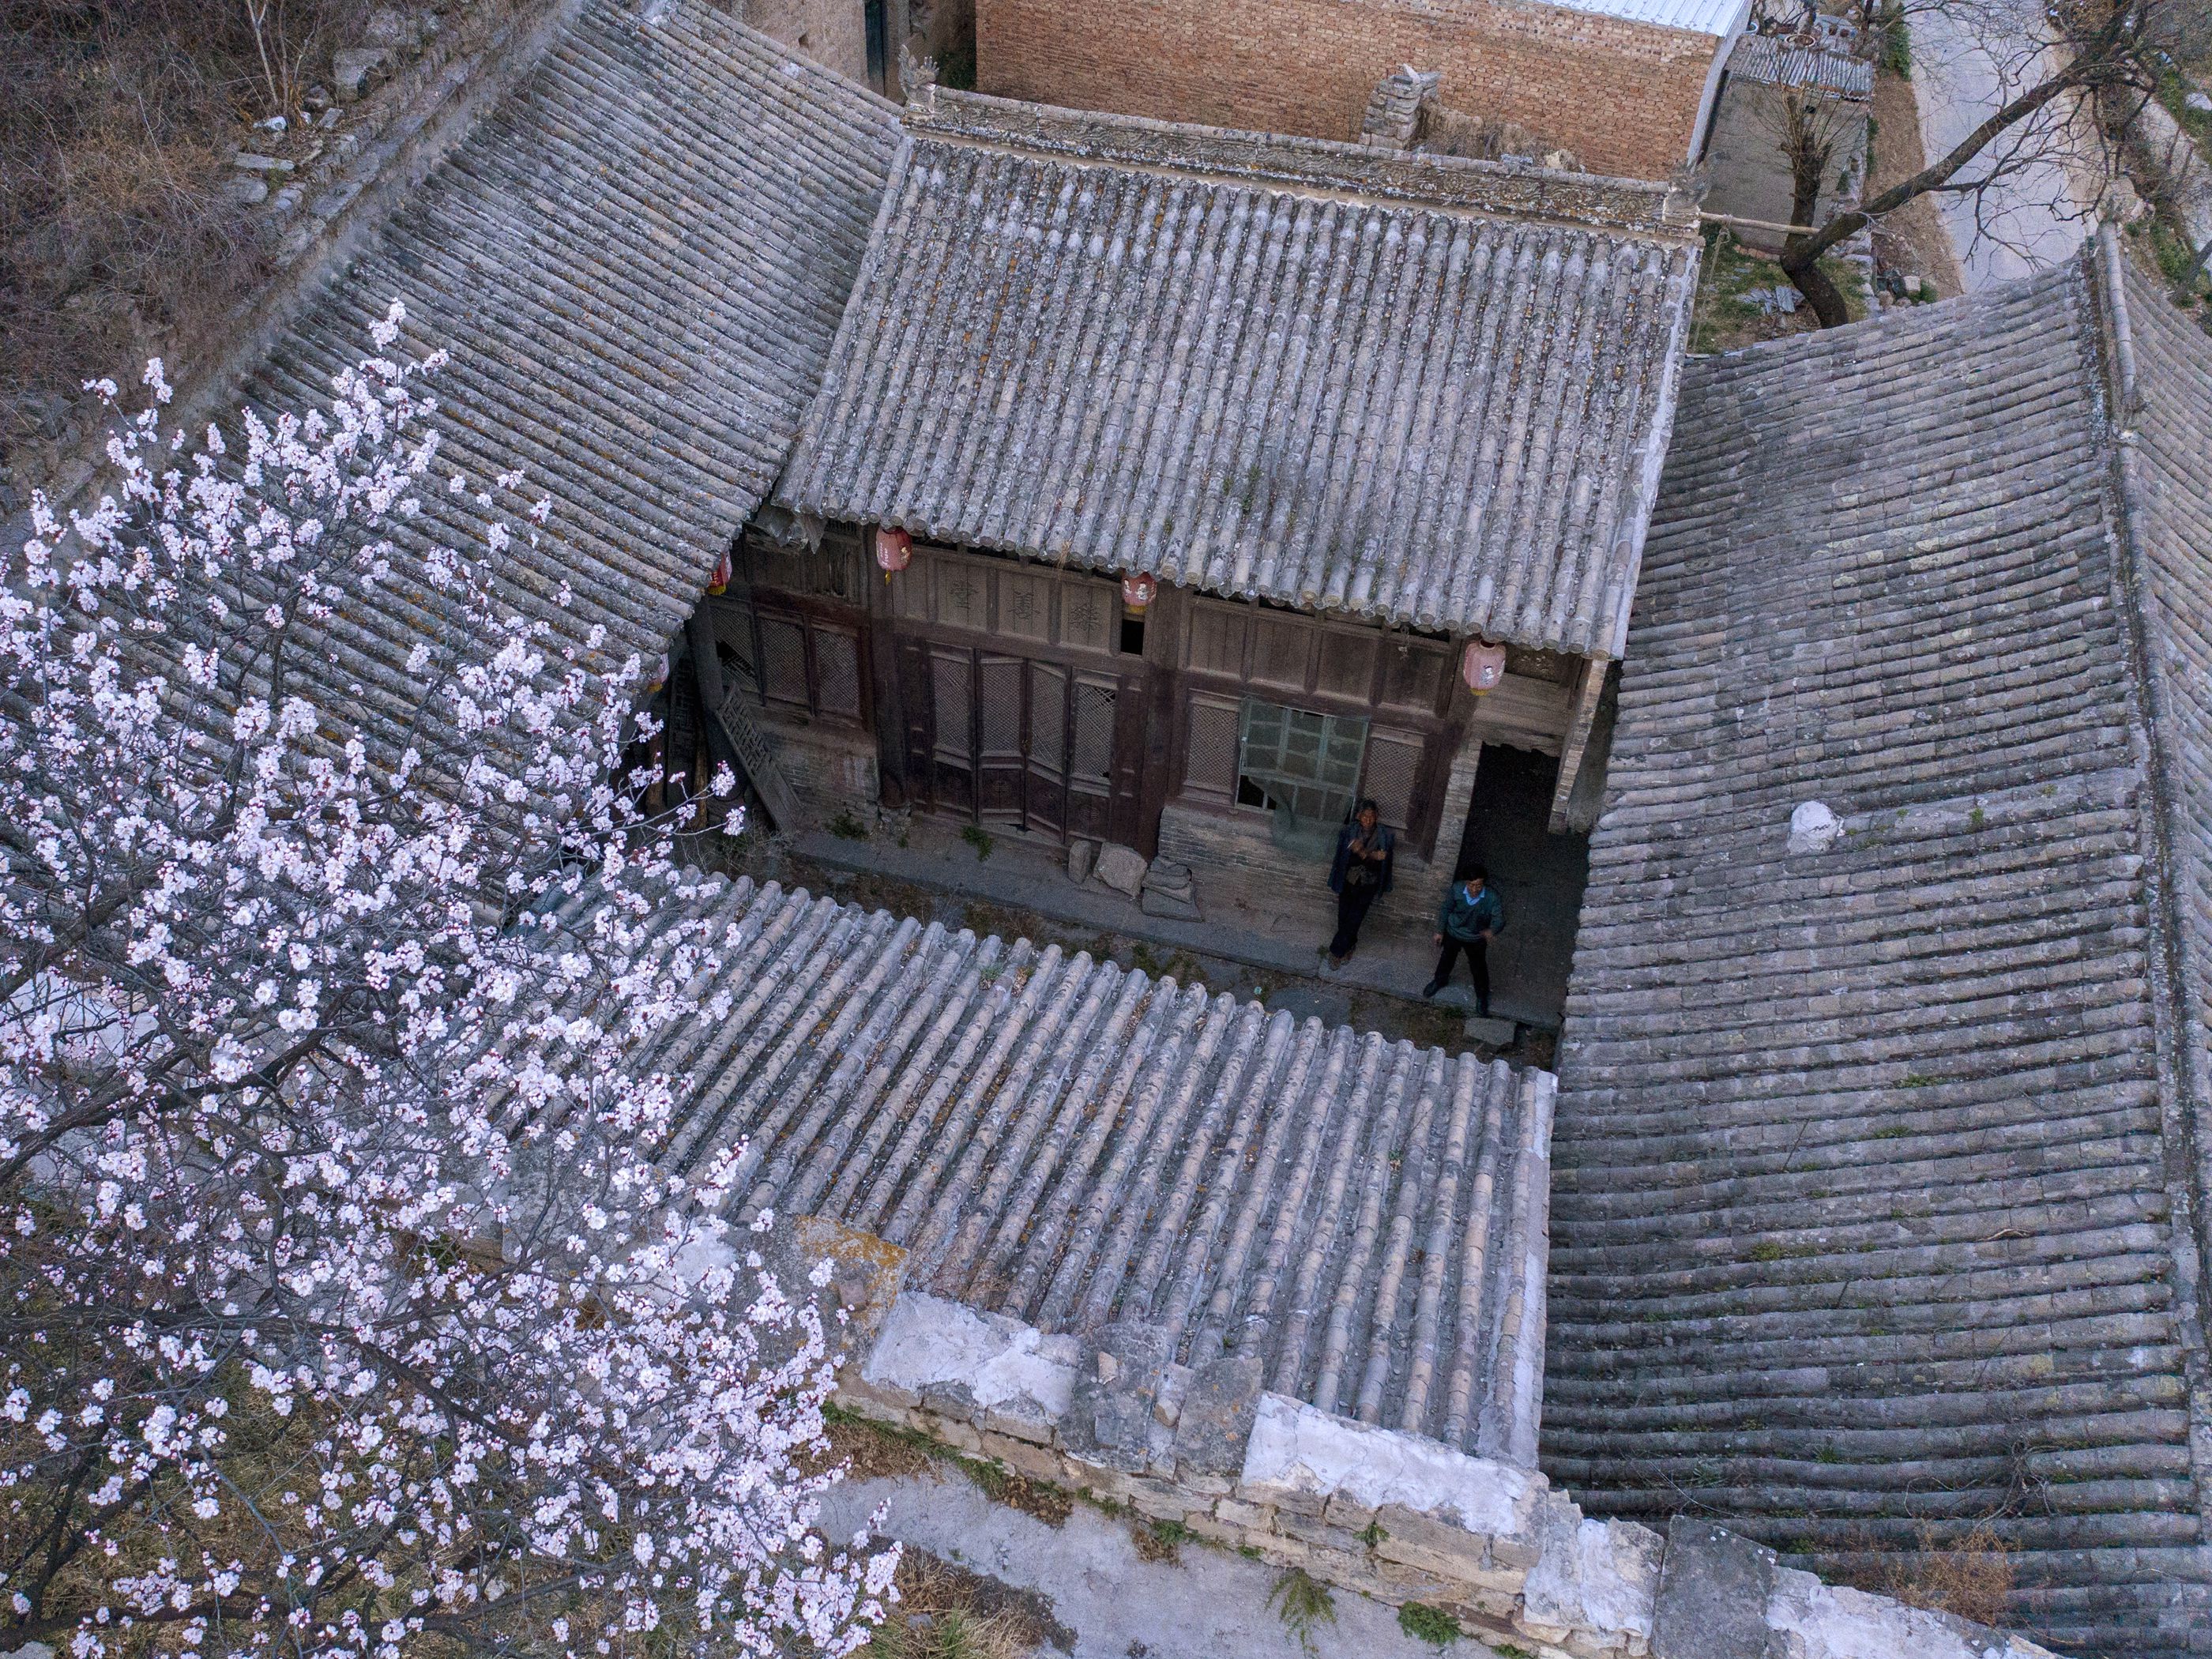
(2094, 61)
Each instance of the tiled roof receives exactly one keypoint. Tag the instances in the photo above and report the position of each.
(1430, 391)
(1779, 62)
(1869, 1164)
(2166, 473)
(1698, 16)
(1071, 1144)
(637, 261)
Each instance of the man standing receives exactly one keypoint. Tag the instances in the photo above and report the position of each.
(1466, 920)
(1361, 874)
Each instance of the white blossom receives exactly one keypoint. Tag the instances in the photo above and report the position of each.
(349, 1311)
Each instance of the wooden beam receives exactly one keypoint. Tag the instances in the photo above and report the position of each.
(1587, 695)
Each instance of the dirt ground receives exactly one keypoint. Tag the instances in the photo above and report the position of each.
(1912, 238)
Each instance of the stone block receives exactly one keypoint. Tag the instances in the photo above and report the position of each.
(356, 70)
(1220, 1403)
(1082, 858)
(1595, 1575)
(1121, 868)
(1342, 1511)
(1112, 1418)
(962, 1363)
(950, 1432)
(1486, 1028)
(1235, 1513)
(1154, 902)
(1832, 1621)
(1038, 1462)
(1298, 1456)
(268, 166)
(1712, 1596)
(1437, 1546)
(1216, 1531)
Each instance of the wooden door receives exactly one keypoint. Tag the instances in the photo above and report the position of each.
(1045, 747)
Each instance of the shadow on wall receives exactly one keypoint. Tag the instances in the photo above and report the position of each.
(1539, 876)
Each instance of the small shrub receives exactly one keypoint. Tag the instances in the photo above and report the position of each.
(1303, 1603)
(846, 827)
(978, 838)
(1372, 1534)
(1431, 1625)
(1162, 1540)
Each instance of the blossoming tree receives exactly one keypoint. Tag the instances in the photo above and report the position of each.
(345, 1309)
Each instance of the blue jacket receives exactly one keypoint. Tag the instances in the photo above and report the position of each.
(1464, 918)
(1383, 841)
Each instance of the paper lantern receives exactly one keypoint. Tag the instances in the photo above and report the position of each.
(893, 550)
(1482, 666)
(719, 581)
(1139, 591)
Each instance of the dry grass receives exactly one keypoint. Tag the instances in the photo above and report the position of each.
(945, 1612)
(116, 231)
(1971, 1577)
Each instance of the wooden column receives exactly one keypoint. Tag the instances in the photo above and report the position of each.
(1589, 690)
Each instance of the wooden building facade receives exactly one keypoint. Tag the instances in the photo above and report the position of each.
(1203, 459)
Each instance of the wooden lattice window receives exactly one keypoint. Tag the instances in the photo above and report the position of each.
(1303, 768)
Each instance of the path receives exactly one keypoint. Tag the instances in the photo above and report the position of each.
(2025, 220)
(1208, 1604)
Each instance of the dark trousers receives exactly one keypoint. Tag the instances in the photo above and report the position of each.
(1352, 905)
(1478, 963)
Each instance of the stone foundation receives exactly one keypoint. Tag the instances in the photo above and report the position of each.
(1396, 1517)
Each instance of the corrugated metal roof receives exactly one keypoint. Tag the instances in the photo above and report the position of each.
(1425, 390)
(1774, 60)
(637, 261)
(1718, 17)
(1875, 1144)
(1055, 1139)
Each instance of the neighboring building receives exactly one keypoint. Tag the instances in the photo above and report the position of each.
(1627, 85)
(1783, 95)
(1345, 411)
(635, 318)
(1879, 1212)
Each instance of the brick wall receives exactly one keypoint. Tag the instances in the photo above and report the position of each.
(1623, 96)
(833, 32)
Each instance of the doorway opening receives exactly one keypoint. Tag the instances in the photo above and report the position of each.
(1538, 875)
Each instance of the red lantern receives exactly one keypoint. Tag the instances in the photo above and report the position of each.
(893, 550)
(1482, 666)
(719, 581)
(1139, 591)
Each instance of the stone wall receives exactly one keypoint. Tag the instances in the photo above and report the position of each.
(1396, 1517)
(1625, 97)
(1236, 863)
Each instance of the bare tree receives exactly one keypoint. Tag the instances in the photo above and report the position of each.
(2069, 77)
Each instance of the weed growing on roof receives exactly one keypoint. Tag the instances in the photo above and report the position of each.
(978, 838)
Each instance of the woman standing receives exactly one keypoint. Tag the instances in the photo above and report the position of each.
(1361, 874)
